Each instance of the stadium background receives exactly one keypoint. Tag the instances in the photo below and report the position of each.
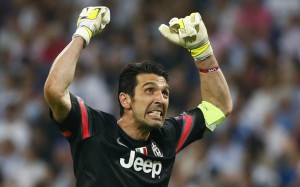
(257, 43)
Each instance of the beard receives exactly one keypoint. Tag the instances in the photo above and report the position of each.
(149, 126)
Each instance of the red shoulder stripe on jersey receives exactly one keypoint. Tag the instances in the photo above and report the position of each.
(66, 133)
(84, 120)
(185, 132)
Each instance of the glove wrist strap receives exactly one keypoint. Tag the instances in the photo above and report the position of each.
(84, 33)
(202, 52)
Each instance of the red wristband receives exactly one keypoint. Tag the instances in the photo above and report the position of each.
(212, 69)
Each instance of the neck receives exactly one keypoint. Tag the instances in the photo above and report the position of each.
(133, 130)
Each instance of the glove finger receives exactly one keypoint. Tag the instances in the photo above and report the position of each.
(169, 34)
(174, 24)
(177, 26)
(189, 28)
(197, 22)
(195, 18)
(104, 16)
(164, 30)
(105, 13)
(84, 12)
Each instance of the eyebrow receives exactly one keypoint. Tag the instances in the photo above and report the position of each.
(154, 84)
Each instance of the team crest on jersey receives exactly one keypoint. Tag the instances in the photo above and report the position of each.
(156, 150)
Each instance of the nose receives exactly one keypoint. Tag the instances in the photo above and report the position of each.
(159, 98)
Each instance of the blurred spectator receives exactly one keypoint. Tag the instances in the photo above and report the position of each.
(10, 161)
(30, 171)
(282, 10)
(226, 160)
(263, 173)
(289, 43)
(9, 93)
(254, 18)
(92, 88)
(14, 129)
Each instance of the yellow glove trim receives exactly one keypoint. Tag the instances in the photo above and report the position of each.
(198, 51)
(181, 24)
(213, 116)
(93, 14)
(89, 31)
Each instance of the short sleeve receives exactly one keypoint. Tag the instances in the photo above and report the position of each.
(186, 128)
(76, 125)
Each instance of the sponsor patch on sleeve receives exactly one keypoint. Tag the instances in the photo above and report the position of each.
(212, 115)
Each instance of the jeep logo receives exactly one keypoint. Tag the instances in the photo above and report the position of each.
(139, 164)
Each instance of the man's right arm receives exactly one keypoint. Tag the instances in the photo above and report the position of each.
(60, 77)
(91, 21)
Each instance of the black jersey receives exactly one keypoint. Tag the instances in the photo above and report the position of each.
(104, 155)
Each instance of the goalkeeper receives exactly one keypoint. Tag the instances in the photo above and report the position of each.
(139, 148)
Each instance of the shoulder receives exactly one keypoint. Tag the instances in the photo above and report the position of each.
(104, 115)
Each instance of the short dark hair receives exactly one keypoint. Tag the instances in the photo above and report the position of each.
(128, 80)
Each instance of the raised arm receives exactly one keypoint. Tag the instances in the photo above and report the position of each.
(214, 88)
(91, 21)
(190, 32)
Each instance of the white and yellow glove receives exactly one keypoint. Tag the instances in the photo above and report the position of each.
(190, 33)
(91, 21)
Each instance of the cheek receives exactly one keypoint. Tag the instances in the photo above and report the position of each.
(166, 104)
(140, 106)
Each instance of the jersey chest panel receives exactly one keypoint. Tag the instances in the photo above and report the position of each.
(106, 158)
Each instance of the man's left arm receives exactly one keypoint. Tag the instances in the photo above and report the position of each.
(190, 33)
(214, 88)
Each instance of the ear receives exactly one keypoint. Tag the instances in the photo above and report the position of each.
(125, 100)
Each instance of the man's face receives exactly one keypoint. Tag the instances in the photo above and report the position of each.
(150, 102)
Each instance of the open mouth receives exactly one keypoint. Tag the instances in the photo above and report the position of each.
(155, 114)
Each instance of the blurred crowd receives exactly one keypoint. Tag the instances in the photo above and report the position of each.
(256, 42)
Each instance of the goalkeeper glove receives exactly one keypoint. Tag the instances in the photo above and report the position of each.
(91, 21)
(190, 33)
